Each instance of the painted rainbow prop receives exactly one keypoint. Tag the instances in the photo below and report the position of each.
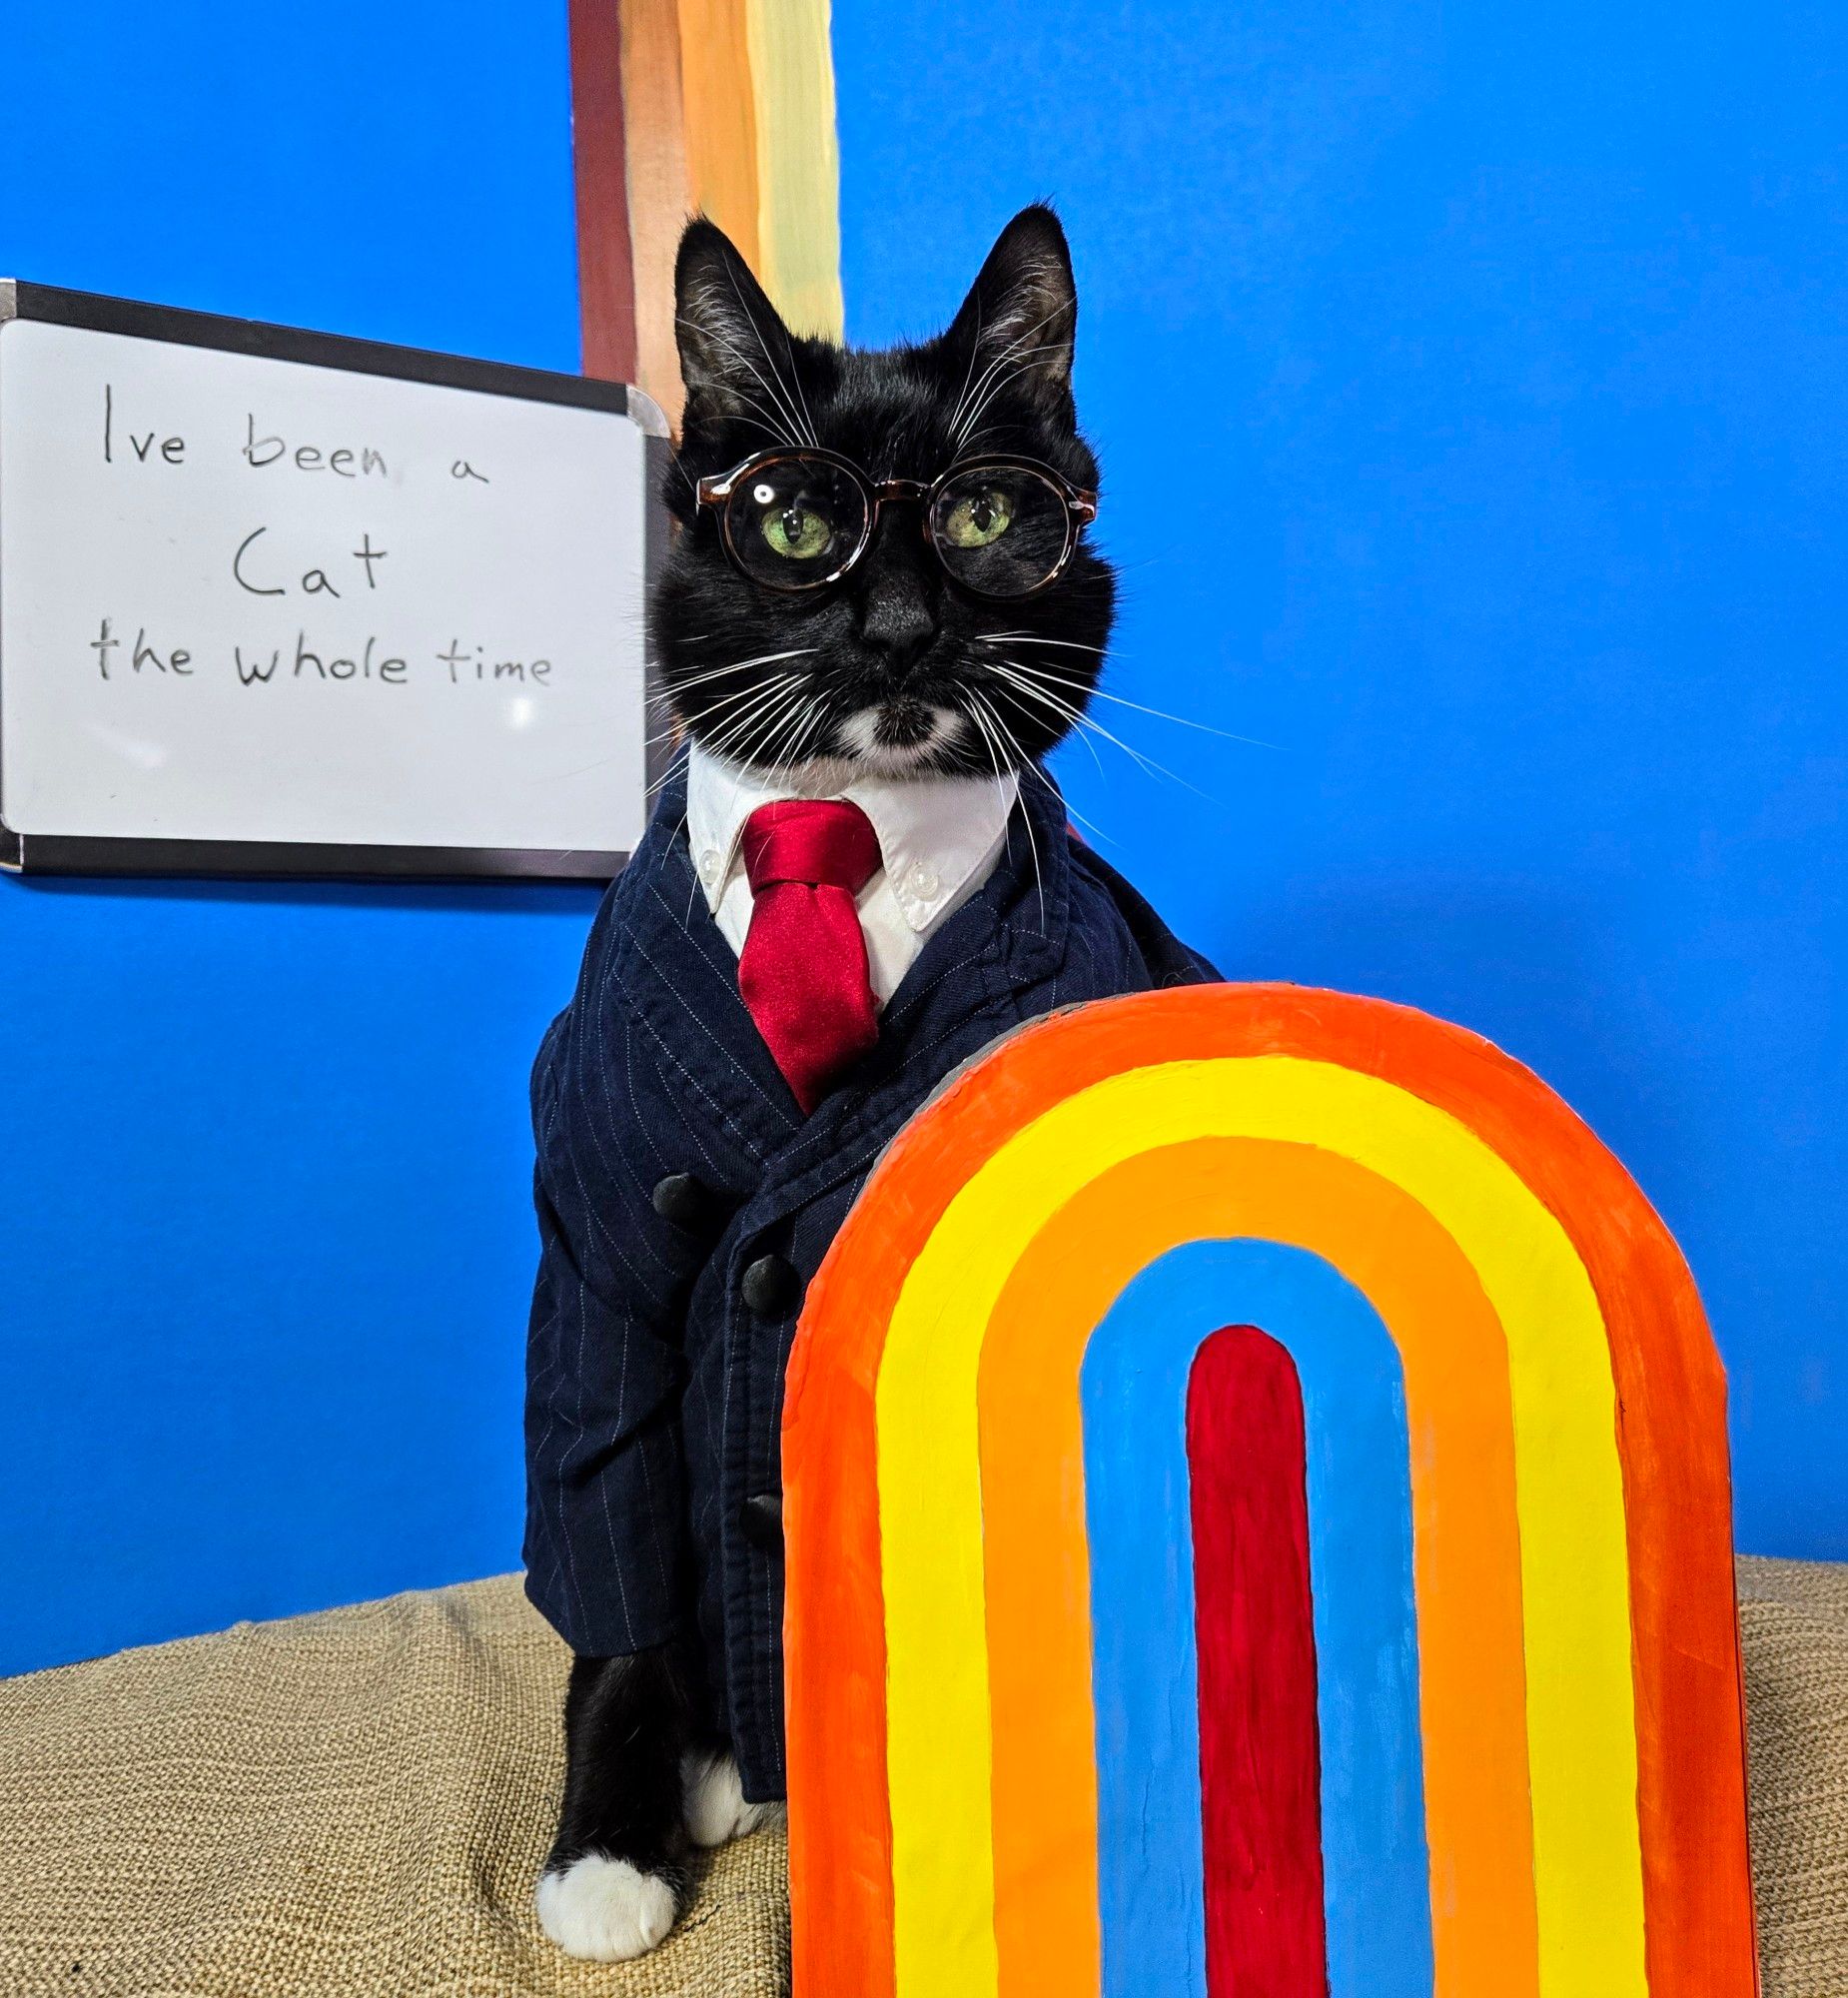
(1258, 1524)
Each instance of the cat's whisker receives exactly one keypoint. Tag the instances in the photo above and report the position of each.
(672, 695)
(768, 659)
(779, 421)
(777, 393)
(763, 730)
(991, 748)
(964, 401)
(1088, 722)
(1070, 809)
(720, 703)
(763, 345)
(731, 746)
(998, 361)
(1020, 757)
(755, 698)
(678, 761)
(776, 751)
(966, 442)
(809, 737)
(765, 751)
(728, 743)
(1146, 764)
(811, 729)
(778, 434)
(1009, 740)
(975, 348)
(1064, 709)
(994, 387)
(1034, 639)
(795, 375)
(689, 680)
(1160, 714)
(776, 421)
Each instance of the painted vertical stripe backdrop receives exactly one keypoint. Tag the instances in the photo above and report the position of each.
(722, 107)
(1240, 1296)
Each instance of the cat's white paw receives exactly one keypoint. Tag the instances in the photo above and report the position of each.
(715, 1808)
(604, 1910)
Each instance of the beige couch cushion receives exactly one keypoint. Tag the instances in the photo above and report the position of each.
(1793, 1616)
(355, 1803)
(351, 1803)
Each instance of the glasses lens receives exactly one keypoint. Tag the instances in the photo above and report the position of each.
(999, 530)
(794, 521)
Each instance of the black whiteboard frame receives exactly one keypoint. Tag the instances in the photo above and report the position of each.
(249, 859)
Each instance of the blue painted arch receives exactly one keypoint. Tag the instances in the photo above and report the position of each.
(1133, 1387)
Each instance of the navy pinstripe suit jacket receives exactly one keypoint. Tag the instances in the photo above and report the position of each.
(655, 1388)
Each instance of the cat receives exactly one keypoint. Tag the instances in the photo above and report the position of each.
(912, 655)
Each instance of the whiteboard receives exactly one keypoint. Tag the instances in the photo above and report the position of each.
(279, 601)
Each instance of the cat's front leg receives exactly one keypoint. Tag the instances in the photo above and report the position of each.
(617, 1875)
(716, 1811)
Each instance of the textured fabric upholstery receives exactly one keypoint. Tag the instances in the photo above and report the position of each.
(356, 1803)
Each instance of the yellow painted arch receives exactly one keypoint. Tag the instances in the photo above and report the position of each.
(1581, 1732)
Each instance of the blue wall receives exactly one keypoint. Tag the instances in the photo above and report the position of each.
(1515, 338)
(265, 1230)
(1517, 341)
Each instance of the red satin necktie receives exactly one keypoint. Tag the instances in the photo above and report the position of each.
(802, 970)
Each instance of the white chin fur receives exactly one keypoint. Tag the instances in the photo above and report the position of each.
(859, 732)
(715, 1808)
(604, 1910)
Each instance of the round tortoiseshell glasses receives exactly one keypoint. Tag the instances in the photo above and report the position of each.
(800, 520)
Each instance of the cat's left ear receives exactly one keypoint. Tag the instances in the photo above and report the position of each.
(1020, 318)
(732, 340)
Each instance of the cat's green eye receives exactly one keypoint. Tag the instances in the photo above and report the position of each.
(978, 519)
(798, 533)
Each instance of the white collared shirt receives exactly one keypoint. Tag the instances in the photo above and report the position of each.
(939, 839)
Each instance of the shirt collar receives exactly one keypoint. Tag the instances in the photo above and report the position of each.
(934, 831)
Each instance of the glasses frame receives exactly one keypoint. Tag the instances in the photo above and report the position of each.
(1080, 512)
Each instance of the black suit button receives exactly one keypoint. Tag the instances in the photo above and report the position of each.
(681, 1200)
(771, 1288)
(760, 1520)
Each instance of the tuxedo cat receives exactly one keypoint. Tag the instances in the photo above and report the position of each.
(880, 613)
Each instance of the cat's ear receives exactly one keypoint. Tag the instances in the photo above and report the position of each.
(1021, 316)
(732, 340)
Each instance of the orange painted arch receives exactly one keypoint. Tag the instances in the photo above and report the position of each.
(1670, 1420)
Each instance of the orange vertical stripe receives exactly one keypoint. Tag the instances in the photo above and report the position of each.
(720, 119)
(1467, 1552)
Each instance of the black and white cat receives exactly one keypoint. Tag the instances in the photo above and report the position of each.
(924, 655)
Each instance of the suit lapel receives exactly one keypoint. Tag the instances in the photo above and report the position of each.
(682, 979)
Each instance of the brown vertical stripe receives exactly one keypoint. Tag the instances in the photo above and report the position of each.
(659, 189)
(606, 273)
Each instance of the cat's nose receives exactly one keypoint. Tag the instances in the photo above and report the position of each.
(897, 620)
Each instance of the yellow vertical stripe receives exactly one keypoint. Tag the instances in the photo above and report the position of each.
(799, 161)
(1574, 1570)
